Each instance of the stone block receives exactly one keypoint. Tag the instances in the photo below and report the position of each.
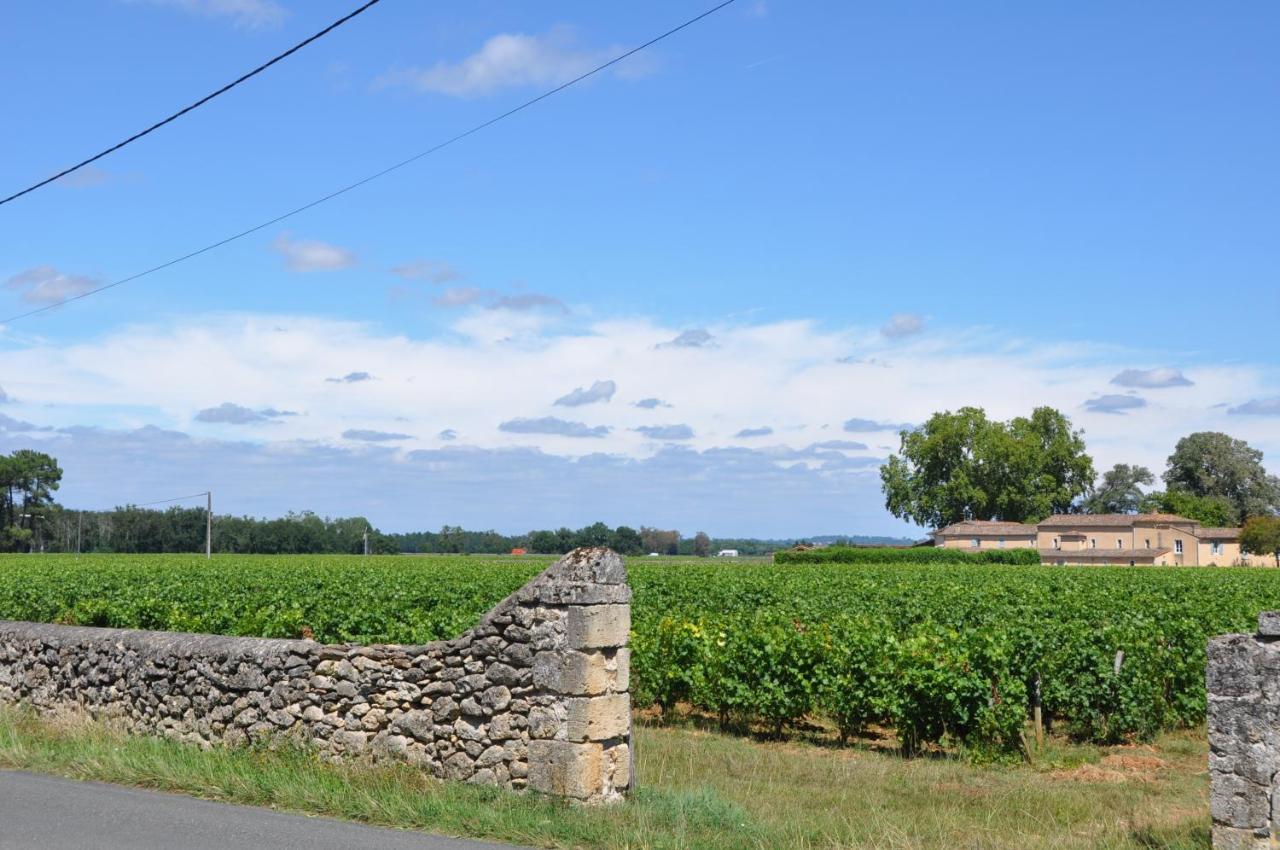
(597, 626)
(618, 766)
(567, 769)
(1269, 624)
(594, 566)
(1232, 666)
(622, 670)
(1239, 803)
(571, 672)
(1227, 838)
(600, 718)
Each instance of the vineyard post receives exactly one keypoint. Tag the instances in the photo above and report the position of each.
(208, 526)
(1039, 717)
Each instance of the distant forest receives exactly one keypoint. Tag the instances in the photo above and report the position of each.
(133, 529)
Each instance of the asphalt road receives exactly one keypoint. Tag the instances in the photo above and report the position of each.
(46, 813)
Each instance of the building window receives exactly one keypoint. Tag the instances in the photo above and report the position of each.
(1216, 547)
(1093, 543)
(1146, 544)
(1001, 543)
(1119, 543)
(974, 543)
(1177, 547)
(1057, 543)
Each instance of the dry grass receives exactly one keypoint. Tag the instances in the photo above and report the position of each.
(699, 789)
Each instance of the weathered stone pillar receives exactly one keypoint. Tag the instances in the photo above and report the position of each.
(581, 746)
(1243, 679)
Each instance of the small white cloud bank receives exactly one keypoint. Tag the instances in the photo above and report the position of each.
(45, 285)
(350, 378)
(1151, 379)
(902, 325)
(311, 255)
(228, 413)
(696, 338)
(1115, 404)
(366, 435)
(1257, 407)
(666, 432)
(511, 61)
(248, 14)
(553, 426)
(597, 392)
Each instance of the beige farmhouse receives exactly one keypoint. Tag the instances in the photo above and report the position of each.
(1162, 539)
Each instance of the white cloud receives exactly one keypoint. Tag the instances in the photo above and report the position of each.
(1118, 404)
(696, 338)
(46, 285)
(235, 414)
(461, 296)
(598, 391)
(250, 14)
(495, 367)
(666, 432)
(350, 378)
(431, 271)
(1151, 379)
(368, 435)
(1258, 407)
(553, 425)
(524, 301)
(903, 324)
(857, 425)
(512, 60)
(304, 255)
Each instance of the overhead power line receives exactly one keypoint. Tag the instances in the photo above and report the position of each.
(201, 102)
(167, 501)
(396, 167)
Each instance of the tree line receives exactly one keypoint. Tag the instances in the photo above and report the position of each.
(622, 539)
(131, 529)
(964, 466)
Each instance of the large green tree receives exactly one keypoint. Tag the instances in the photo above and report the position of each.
(962, 465)
(1261, 536)
(1210, 463)
(1120, 491)
(1214, 511)
(28, 480)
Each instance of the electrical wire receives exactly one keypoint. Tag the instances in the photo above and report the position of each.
(166, 501)
(201, 102)
(396, 167)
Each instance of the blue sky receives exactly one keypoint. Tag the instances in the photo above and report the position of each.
(787, 218)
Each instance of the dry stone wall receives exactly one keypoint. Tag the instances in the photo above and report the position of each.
(1243, 679)
(534, 697)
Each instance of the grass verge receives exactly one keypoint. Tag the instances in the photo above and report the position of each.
(698, 790)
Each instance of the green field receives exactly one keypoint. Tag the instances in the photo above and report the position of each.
(949, 655)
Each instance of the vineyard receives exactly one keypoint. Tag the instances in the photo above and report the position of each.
(957, 654)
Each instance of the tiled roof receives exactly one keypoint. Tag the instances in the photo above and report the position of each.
(1118, 554)
(984, 526)
(1218, 533)
(1112, 520)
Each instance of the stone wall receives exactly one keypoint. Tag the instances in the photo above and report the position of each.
(535, 696)
(1243, 679)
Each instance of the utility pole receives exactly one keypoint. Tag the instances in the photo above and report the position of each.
(366, 541)
(208, 526)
